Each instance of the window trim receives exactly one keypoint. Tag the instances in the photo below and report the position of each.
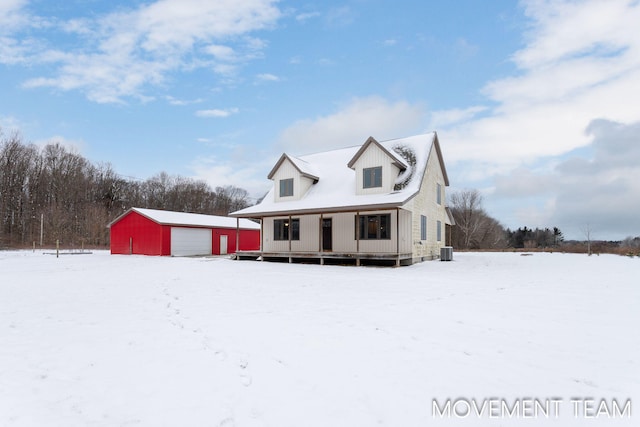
(374, 177)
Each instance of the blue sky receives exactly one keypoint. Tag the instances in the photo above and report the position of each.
(535, 102)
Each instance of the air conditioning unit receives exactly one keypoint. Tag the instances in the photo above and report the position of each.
(446, 253)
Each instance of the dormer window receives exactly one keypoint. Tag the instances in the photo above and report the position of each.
(286, 187)
(372, 177)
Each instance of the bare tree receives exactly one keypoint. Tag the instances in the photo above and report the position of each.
(466, 206)
(230, 198)
(77, 199)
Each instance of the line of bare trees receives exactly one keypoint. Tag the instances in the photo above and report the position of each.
(57, 192)
(475, 229)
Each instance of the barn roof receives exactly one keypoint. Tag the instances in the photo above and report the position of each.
(189, 219)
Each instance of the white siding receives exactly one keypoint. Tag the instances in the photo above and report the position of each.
(301, 184)
(309, 232)
(426, 203)
(371, 158)
(344, 232)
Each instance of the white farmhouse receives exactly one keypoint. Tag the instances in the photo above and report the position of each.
(379, 202)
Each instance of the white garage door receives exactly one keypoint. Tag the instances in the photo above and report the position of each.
(190, 241)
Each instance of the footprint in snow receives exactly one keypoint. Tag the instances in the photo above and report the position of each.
(245, 377)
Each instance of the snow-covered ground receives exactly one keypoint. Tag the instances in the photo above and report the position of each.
(101, 340)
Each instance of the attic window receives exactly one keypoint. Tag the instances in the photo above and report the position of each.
(372, 177)
(286, 187)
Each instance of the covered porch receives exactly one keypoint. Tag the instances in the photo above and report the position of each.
(364, 236)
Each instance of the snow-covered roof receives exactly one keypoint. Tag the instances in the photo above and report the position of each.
(397, 160)
(190, 219)
(335, 188)
(302, 166)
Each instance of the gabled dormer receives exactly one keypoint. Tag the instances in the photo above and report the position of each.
(292, 178)
(376, 168)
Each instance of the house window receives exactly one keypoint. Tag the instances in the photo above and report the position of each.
(374, 227)
(423, 227)
(439, 194)
(439, 231)
(281, 229)
(286, 187)
(372, 177)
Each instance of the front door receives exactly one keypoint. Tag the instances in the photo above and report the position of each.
(327, 235)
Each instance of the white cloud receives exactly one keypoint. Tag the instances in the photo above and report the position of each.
(464, 49)
(340, 16)
(182, 102)
(581, 62)
(303, 17)
(119, 54)
(221, 52)
(74, 146)
(12, 15)
(217, 113)
(267, 78)
(352, 125)
(9, 124)
(239, 171)
(602, 188)
(445, 118)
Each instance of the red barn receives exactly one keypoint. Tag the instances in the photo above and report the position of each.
(157, 232)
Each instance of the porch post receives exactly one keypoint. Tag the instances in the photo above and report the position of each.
(358, 238)
(290, 233)
(397, 237)
(261, 238)
(321, 239)
(237, 237)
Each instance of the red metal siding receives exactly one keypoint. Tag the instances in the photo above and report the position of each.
(151, 238)
(249, 240)
(166, 240)
(146, 236)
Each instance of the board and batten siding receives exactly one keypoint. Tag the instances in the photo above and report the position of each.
(373, 157)
(425, 203)
(301, 184)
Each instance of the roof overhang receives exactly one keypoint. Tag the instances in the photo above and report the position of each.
(436, 144)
